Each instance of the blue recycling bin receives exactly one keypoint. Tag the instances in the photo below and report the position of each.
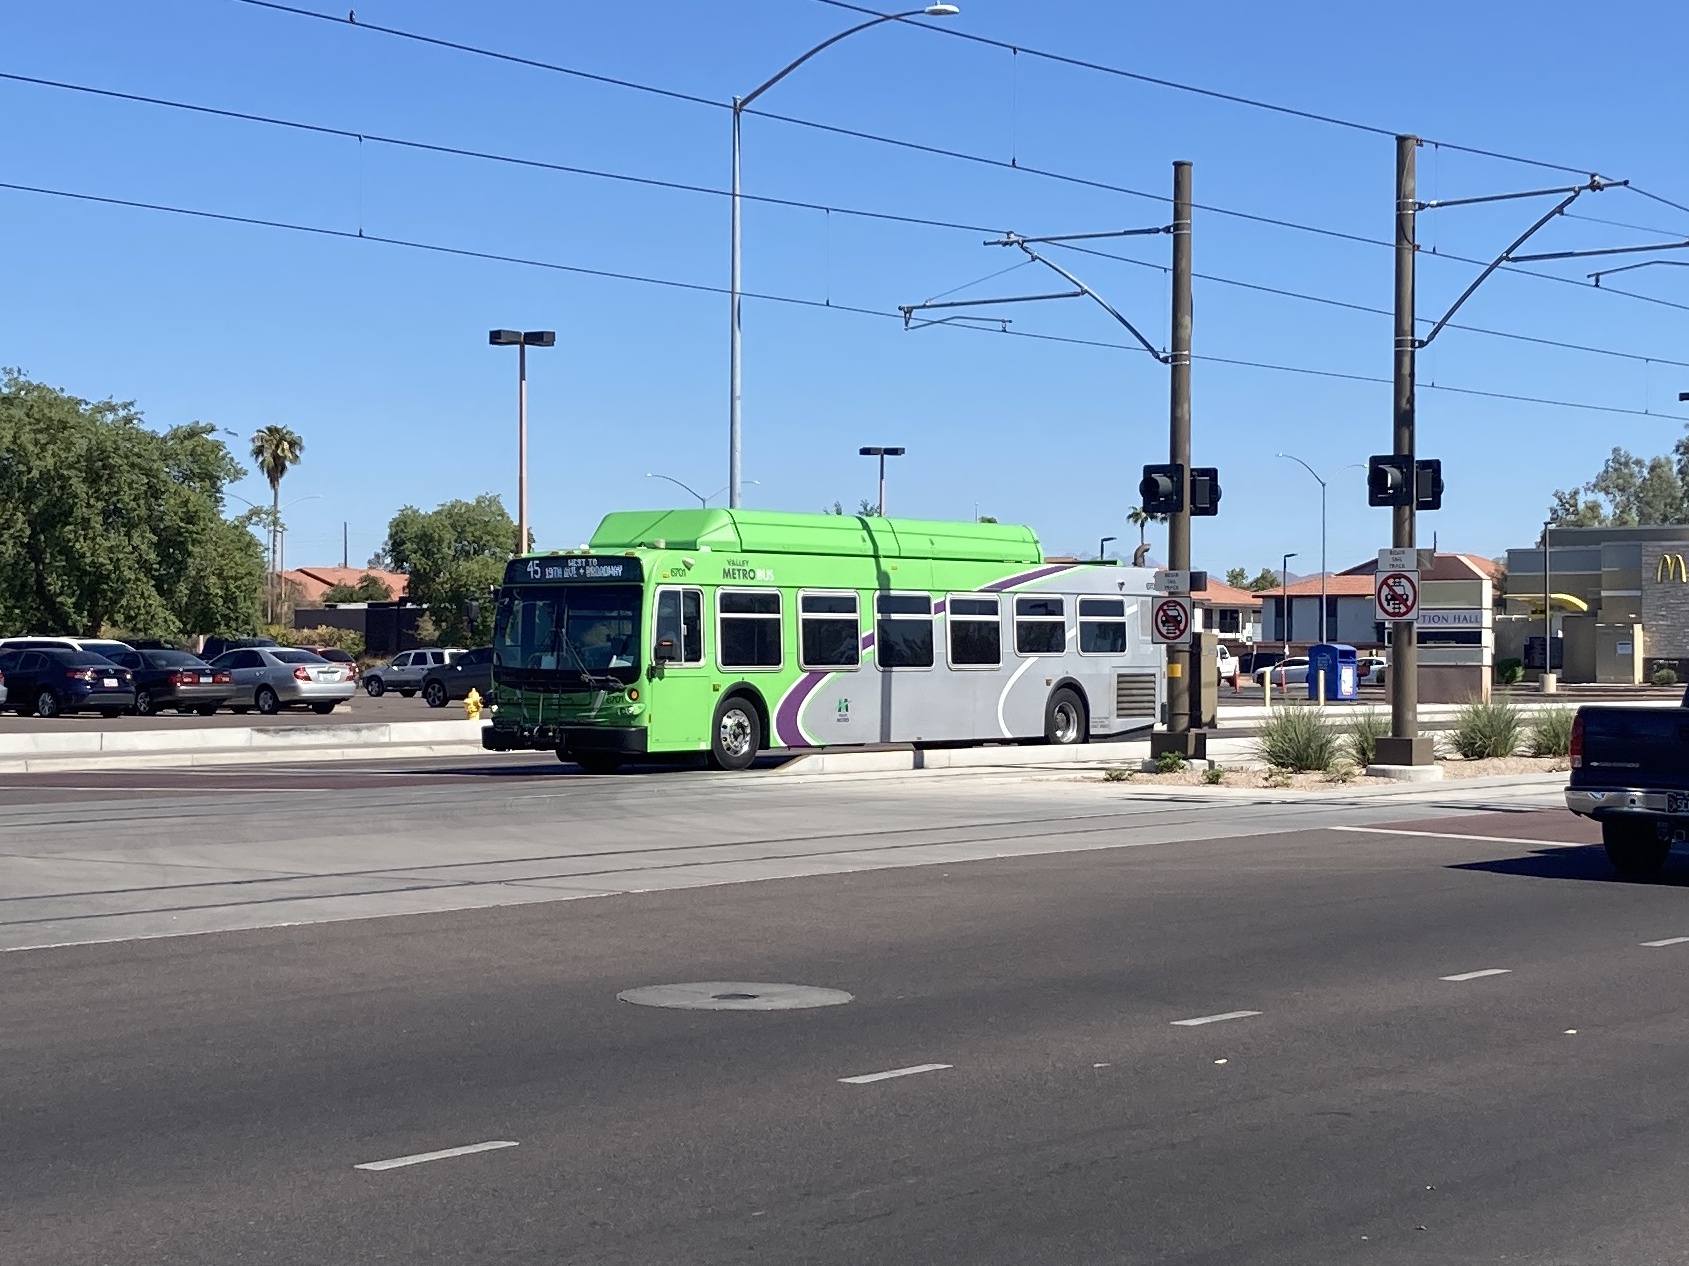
(1341, 669)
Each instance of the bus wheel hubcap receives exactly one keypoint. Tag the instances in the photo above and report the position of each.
(1067, 723)
(735, 733)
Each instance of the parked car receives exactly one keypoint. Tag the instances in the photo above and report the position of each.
(1287, 672)
(1252, 662)
(53, 680)
(216, 646)
(334, 655)
(271, 678)
(406, 670)
(174, 679)
(1369, 670)
(2, 689)
(1228, 665)
(98, 645)
(472, 670)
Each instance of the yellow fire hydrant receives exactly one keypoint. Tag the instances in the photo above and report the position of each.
(472, 704)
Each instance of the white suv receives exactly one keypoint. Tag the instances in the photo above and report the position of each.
(406, 671)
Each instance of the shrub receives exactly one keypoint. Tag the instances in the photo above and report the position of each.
(1551, 732)
(1664, 677)
(1169, 763)
(1510, 672)
(349, 640)
(1213, 775)
(1297, 738)
(1117, 774)
(1485, 729)
(1342, 771)
(1365, 729)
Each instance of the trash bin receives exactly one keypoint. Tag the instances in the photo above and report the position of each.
(1339, 665)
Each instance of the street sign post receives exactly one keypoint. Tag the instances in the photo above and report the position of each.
(1170, 621)
(1396, 595)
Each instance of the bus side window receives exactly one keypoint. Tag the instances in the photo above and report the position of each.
(903, 630)
(1102, 626)
(1040, 626)
(680, 622)
(976, 631)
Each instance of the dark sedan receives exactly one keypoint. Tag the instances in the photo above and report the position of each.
(472, 670)
(175, 679)
(52, 681)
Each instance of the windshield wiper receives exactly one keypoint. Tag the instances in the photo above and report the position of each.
(587, 674)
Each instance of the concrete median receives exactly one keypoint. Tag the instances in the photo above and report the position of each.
(165, 748)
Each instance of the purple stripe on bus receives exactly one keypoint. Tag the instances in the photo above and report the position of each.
(1026, 577)
(786, 728)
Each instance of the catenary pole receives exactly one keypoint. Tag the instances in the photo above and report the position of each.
(1179, 438)
(1404, 650)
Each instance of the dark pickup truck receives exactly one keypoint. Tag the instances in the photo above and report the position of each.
(1630, 772)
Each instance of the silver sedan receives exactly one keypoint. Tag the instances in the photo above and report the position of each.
(271, 678)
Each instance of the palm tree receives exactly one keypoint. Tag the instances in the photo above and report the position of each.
(1141, 518)
(276, 450)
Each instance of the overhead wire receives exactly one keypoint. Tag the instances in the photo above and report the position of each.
(349, 235)
(1002, 164)
(1213, 94)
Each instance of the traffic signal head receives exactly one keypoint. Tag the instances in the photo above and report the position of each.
(1388, 482)
(1428, 485)
(1205, 490)
(1163, 488)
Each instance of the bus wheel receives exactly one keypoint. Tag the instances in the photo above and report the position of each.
(736, 735)
(592, 762)
(1064, 719)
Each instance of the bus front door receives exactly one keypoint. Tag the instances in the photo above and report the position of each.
(682, 703)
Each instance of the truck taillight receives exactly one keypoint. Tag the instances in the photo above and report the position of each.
(1575, 748)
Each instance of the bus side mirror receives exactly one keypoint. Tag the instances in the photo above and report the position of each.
(666, 653)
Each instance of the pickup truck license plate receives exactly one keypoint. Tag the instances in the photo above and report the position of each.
(1677, 802)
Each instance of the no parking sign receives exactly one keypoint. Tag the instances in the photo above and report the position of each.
(1170, 621)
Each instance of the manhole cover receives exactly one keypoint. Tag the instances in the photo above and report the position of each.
(734, 995)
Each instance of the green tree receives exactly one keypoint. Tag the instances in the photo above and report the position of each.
(1628, 491)
(277, 450)
(453, 555)
(1266, 578)
(368, 589)
(1237, 578)
(107, 524)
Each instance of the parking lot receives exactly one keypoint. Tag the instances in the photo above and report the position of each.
(360, 710)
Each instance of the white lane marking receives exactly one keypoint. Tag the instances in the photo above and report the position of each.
(1214, 1019)
(419, 1158)
(1450, 835)
(865, 1078)
(1670, 940)
(1473, 975)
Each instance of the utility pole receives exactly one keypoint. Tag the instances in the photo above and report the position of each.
(1404, 746)
(1179, 452)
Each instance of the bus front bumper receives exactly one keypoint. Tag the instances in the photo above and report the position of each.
(627, 740)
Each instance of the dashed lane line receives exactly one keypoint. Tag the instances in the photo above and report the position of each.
(1670, 940)
(1474, 975)
(1215, 1019)
(422, 1158)
(865, 1078)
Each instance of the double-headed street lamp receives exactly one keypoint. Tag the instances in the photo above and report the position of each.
(522, 341)
(703, 501)
(882, 454)
(739, 106)
(1102, 547)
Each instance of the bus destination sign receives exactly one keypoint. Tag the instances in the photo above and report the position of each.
(556, 569)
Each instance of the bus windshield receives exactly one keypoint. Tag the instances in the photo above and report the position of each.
(559, 635)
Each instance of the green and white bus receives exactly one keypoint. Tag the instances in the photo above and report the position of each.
(729, 632)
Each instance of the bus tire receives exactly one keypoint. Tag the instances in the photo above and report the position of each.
(592, 762)
(1065, 722)
(735, 734)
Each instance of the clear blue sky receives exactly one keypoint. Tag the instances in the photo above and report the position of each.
(377, 355)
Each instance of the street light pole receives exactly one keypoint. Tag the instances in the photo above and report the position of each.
(1547, 612)
(1304, 465)
(1102, 547)
(522, 341)
(739, 105)
(1284, 597)
(882, 454)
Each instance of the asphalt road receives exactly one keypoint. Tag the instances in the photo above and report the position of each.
(207, 1098)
